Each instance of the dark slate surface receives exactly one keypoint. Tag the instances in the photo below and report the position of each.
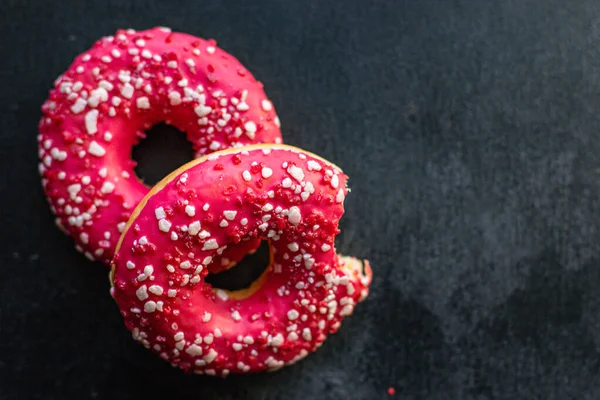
(470, 130)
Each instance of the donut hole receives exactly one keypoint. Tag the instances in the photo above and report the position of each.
(244, 273)
(164, 149)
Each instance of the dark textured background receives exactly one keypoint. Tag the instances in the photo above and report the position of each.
(470, 132)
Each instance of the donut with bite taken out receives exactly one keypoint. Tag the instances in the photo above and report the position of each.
(123, 85)
(281, 194)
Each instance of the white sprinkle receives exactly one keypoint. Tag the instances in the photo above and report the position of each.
(148, 269)
(186, 279)
(325, 247)
(171, 269)
(127, 91)
(206, 317)
(236, 316)
(73, 190)
(107, 136)
(243, 106)
(142, 293)
(296, 173)
(221, 294)
(230, 215)
(164, 225)
(174, 236)
(206, 261)
(115, 53)
(107, 86)
(91, 120)
(266, 172)
(267, 207)
(190, 210)
(287, 183)
(172, 293)
(308, 263)
(210, 50)
(293, 247)
(202, 110)
(246, 175)
(277, 340)
(150, 306)
(107, 187)
(306, 334)
(79, 106)
(340, 196)
(194, 228)
(97, 96)
(142, 102)
(130, 265)
(244, 221)
(59, 155)
(175, 98)
(237, 346)
(294, 215)
(292, 315)
(146, 54)
(335, 181)
(124, 76)
(210, 357)
(194, 350)
(96, 150)
(140, 43)
(185, 265)
(210, 244)
(84, 238)
(266, 105)
(250, 129)
(159, 213)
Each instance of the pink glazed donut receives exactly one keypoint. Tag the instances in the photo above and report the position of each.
(281, 194)
(125, 84)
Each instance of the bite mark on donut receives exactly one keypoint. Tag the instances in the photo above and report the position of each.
(283, 316)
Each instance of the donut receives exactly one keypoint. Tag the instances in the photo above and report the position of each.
(280, 194)
(125, 84)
